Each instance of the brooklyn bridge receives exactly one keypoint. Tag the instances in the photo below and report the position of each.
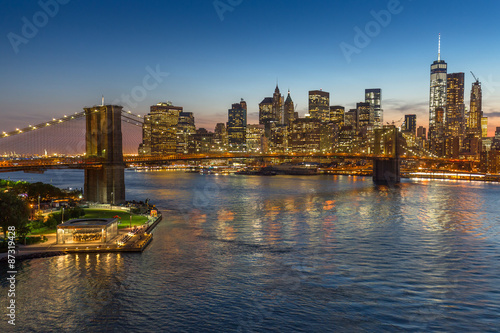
(94, 141)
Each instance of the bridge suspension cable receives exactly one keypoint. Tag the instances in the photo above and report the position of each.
(132, 118)
(54, 121)
(65, 135)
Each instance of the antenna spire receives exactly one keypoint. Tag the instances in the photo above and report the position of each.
(439, 48)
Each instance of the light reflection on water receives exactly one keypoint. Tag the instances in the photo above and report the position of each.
(315, 253)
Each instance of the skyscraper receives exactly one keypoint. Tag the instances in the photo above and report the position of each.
(319, 105)
(351, 119)
(278, 141)
(476, 111)
(237, 126)
(203, 142)
(337, 115)
(496, 139)
(421, 132)
(473, 144)
(266, 111)
(365, 115)
(437, 104)
(220, 137)
(185, 131)
(255, 138)
(410, 125)
(271, 108)
(455, 107)
(484, 127)
(305, 135)
(159, 131)
(421, 137)
(455, 114)
(277, 109)
(374, 97)
(289, 110)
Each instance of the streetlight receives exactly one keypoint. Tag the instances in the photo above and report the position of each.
(112, 199)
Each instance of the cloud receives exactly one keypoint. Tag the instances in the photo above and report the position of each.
(493, 113)
(401, 106)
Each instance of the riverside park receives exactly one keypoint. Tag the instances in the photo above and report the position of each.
(50, 221)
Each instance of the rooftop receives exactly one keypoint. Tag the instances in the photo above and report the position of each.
(87, 223)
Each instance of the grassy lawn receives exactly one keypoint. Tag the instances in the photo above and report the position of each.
(43, 231)
(137, 220)
(125, 216)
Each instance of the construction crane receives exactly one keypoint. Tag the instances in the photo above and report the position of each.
(475, 78)
(394, 122)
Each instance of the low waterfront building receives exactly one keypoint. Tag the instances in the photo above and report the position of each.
(87, 231)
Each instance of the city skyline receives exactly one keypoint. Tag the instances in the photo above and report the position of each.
(216, 57)
(249, 165)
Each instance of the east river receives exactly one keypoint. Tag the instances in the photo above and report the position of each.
(279, 254)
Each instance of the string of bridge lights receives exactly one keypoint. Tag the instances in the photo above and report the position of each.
(63, 119)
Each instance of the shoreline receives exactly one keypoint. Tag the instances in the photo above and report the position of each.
(34, 255)
(52, 249)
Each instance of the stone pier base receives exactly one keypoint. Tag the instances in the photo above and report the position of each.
(106, 185)
(386, 171)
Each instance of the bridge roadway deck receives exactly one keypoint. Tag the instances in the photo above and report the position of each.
(11, 165)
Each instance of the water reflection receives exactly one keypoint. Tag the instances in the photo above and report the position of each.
(80, 287)
(280, 253)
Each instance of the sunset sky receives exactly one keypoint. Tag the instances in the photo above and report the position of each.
(205, 55)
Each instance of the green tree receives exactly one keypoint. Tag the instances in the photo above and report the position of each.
(57, 217)
(45, 191)
(76, 212)
(13, 212)
(22, 232)
(51, 222)
(37, 222)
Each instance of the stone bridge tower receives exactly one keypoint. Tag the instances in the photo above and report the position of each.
(103, 139)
